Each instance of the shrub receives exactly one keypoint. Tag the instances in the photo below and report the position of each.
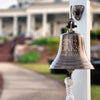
(45, 41)
(42, 41)
(29, 57)
(53, 45)
(98, 33)
(65, 30)
(93, 34)
(5, 39)
(93, 42)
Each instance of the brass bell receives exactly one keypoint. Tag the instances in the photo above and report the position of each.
(71, 54)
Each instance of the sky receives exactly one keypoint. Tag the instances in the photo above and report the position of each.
(6, 3)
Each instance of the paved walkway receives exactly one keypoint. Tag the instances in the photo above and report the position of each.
(23, 84)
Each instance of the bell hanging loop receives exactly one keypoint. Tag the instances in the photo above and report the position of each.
(71, 23)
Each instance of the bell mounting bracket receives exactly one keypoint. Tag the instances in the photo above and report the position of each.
(77, 11)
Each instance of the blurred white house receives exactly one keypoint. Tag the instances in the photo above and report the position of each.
(40, 18)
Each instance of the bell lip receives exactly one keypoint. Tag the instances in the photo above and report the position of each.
(59, 67)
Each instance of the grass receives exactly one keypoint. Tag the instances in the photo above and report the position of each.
(93, 42)
(44, 69)
(95, 91)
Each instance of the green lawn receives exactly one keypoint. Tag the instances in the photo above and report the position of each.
(44, 69)
(95, 91)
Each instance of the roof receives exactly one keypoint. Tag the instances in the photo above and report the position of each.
(44, 1)
(47, 3)
(40, 1)
(27, 3)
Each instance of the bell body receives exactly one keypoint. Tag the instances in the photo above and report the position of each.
(71, 54)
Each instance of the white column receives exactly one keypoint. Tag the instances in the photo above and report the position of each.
(44, 24)
(1, 30)
(15, 26)
(30, 25)
(33, 26)
(81, 87)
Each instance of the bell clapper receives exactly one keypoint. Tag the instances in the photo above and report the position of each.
(68, 84)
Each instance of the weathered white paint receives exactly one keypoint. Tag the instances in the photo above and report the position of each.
(81, 87)
(1, 31)
(15, 26)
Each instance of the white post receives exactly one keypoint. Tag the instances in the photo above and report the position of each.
(81, 86)
(44, 24)
(28, 25)
(15, 26)
(1, 27)
(33, 26)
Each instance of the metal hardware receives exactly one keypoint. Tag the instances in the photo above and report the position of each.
(77, 11)
(71, 23)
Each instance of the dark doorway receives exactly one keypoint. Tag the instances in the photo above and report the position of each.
(19, 29)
